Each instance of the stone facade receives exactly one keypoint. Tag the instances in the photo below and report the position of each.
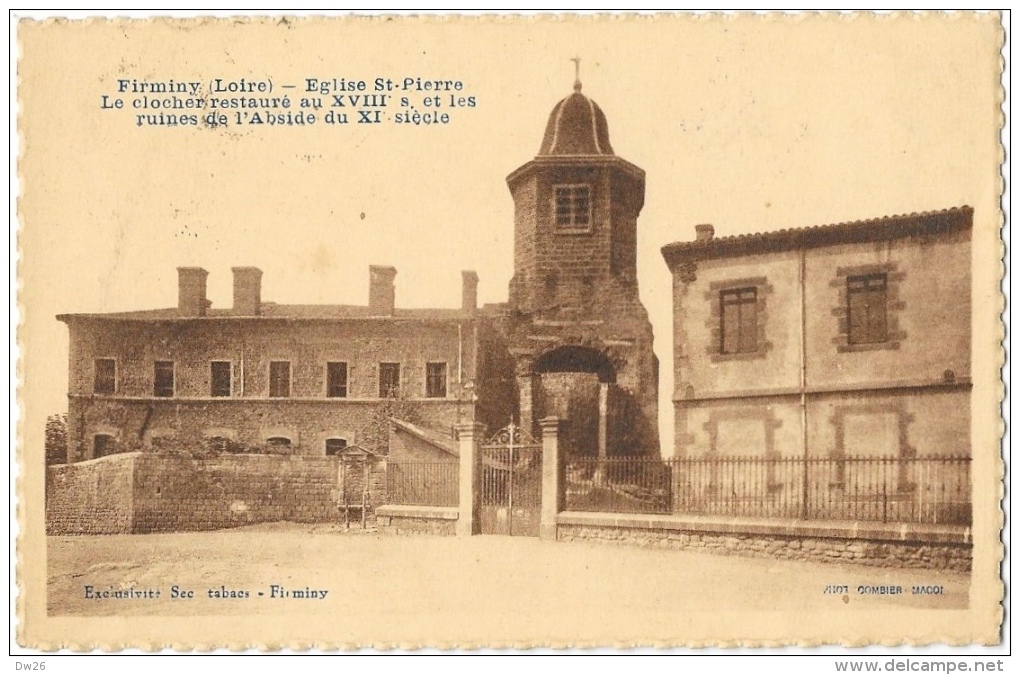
(793, 378)
(307, 375)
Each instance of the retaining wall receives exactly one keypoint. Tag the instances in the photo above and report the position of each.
(888, 545)
(92, 497)
(141, 492)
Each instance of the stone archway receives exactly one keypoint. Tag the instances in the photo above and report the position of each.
(573, 383)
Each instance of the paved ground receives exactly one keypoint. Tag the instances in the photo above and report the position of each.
(399, 575)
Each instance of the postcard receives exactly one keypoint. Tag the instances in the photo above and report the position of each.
(510, 331)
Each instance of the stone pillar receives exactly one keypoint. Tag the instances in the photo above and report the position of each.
(526, 391)
(470, 434)
(600, 470)
(552, 477)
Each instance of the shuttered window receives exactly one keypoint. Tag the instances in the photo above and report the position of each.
(163, 379)
(336, 379)
(739, 320)
(867, 307)
(279, 379)
(105, 376)
(389, 380)
(220, 376)
(435, 380)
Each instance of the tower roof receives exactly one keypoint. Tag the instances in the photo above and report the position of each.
(576, 126)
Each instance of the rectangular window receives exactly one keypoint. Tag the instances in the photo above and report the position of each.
(435, 380)
(105, 377)
(389, 380)
(866, 308)
(220, 376)
(573, 206)
(739, 319)
(163, 379)
(279, 379)
(336, 379)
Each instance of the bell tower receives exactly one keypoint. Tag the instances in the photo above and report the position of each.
(579, 334)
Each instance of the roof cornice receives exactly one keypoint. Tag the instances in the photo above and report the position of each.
(887, 228)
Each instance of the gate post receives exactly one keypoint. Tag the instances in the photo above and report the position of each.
(470, 434)
(552, 477)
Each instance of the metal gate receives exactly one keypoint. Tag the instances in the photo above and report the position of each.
(511, 483)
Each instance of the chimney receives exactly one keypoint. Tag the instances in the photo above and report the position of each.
(704, 232)
(191, 299)
(469, 290)
(380, 289)
(247, 291)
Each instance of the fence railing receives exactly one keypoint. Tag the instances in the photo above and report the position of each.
(422, 483)
(882, 489)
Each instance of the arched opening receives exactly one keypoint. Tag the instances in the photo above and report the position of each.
(573, 359)
(279, 445)
(573, 385)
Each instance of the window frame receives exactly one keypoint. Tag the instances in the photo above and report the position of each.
(445, 382)
(212, 378)
(346, 381)
(325, 445)
(272, 391)
(748, 341)
(572, 223)
(156, 363)
(392, 392)
(95, 376)
(858, 286)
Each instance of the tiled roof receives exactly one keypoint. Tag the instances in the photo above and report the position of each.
(877, 229)
(271, 310)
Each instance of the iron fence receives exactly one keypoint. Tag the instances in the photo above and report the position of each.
(422, 483)
(882, 489)
(619, 485)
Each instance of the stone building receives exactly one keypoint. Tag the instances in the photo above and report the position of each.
(578, 333)
(846, 340)
(573, 340)
(313, 379)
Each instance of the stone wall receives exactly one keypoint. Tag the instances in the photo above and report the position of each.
(141, 492)
(936, 555)
(435, 520)
(177, 493)
(91, 497)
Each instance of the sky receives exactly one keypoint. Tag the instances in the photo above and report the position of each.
(751, 124)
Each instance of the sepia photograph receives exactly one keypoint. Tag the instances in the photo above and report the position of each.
(509, 332)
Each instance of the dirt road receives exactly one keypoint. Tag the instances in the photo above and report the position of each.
(226, 571)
